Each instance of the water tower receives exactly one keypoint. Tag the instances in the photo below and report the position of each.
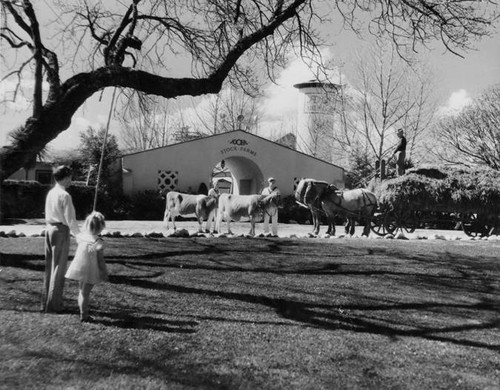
(315, 121)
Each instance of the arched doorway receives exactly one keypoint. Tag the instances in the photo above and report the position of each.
(246, 177)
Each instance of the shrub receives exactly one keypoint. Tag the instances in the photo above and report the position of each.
(26, 199)
(146, 205)
(23, 199)
(292, 211)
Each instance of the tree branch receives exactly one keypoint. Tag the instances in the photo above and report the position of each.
(115, 50)
(38, 56)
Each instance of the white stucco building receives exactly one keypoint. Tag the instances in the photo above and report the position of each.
(250, 159)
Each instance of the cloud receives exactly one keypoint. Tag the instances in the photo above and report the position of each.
(14, 101)
(281, 98)
(17, 95)
(278, 107)
(280, 103)
(70, 138)
(457, 101)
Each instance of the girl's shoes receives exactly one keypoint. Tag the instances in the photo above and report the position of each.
(88, 319)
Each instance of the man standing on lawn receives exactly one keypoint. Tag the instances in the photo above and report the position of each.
(269, 190)
(60, 219)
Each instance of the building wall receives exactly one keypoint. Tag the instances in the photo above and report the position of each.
(42, 172)
(248, 157)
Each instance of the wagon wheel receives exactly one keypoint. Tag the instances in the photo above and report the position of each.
(475, 224)
(391, 222)
(410, 220)
(403, 219)
(377, 224)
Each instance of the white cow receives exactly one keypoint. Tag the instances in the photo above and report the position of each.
(234, 207)
(203, 207)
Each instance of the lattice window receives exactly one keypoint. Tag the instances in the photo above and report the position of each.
(296, 181)
(167, 180)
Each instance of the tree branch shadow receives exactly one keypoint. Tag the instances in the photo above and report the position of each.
(351, 317)
(128, 321)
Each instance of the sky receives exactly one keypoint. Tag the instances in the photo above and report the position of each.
(458, 81)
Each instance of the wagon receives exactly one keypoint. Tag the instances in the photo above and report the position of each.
(428, 196)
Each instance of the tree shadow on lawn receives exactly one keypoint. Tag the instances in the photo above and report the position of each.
(128, 321)
(25, 261)
(351, 317)
(235, 247)
(291, 266)
(457, 274)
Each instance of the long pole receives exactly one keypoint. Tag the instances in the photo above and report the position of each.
(103, 148)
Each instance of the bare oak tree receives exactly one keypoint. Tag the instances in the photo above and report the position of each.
(229, 110)
(146, 122)
(150, 122)
(96, 45)
(472, 137)
(386, 93)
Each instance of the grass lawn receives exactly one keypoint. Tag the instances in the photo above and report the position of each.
(238, 313)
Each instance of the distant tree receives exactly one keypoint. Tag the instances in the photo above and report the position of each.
(360, 168)
(73, 159)
(472, 137)
(386, 93)
(229, 110)
(91, 143)
(146, 122)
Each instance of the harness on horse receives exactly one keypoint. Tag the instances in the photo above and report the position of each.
(312, 207)
(366, 203)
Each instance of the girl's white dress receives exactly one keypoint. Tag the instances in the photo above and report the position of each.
(88, 264)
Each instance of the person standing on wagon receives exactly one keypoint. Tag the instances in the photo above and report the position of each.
(400, 153)
(60, 219)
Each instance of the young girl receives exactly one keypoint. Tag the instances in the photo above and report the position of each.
(88, 266)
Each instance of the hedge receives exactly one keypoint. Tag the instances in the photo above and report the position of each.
(26, 199)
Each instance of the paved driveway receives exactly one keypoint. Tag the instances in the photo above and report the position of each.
(36, 226)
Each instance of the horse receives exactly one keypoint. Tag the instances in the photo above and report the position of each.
(308, 194)
(352, 204)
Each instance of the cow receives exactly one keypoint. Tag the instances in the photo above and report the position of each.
(203, 207)
(234, 207)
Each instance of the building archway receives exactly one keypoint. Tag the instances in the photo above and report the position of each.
(246, 176)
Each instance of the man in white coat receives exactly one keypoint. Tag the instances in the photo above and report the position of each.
(272, 188)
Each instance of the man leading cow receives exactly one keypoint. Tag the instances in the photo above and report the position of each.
(234, 207)
(271, 189)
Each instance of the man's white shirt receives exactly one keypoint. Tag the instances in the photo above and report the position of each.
(59, 208)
